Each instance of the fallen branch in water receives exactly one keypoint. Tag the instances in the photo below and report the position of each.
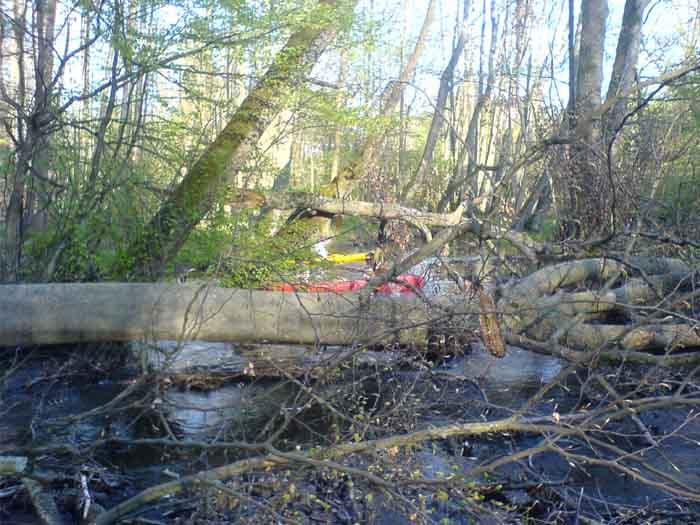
(611, 356)
(44, 504)
(574, 425)
(274, 461)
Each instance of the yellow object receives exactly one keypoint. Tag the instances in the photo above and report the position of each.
(340, 258)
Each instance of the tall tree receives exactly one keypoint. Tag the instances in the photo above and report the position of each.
(591, 209)
(206, 182)
(31, 129)
(625, 66)
(586, 202)
(438, 122)
(43, 72)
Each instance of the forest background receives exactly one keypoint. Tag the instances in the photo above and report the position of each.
(107, 106)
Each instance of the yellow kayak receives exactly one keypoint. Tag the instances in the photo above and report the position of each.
(344, 258)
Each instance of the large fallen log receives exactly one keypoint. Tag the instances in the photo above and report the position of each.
(244, 198)
(72, 313)
(529, 308)
(547, 305)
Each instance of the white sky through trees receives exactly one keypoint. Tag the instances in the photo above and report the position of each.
(670, 33)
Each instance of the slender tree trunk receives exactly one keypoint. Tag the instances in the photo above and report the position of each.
(401, 160)
(438, 121)
(588, 210)
(12, 249)
(85, 25)
(589, 79)
(34, 217)
(340, 101)
(625, 66)
(469, 154)
(572, 66)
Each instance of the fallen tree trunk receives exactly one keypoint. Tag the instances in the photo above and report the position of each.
(645, 337)
(243, 198)
(529, 308)
(72, 313)
(542, 306)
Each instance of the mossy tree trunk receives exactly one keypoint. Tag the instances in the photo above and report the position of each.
(206, 182)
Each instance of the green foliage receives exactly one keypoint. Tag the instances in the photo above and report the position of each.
(238, 251)
(92, 221)
(679, 196)
(103, 194)
(90, 250)
(679, 191)
(547, 229)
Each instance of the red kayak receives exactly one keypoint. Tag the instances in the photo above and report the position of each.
(404, 284)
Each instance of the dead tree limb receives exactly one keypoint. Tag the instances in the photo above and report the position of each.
(274, 461)
(321, 205)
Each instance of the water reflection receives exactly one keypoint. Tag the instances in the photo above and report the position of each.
(509, 380)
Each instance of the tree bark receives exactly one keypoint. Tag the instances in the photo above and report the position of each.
(31, 136)
(203, 186)
(438, 121)
(625, 66)
(572, 65)
(588, 192)
(589, 78)
(35, 215)
(73, 313)
(241, 198)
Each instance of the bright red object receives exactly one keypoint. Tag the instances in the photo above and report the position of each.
(404, 284)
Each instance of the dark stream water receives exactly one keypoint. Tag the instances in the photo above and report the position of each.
(475, 386)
